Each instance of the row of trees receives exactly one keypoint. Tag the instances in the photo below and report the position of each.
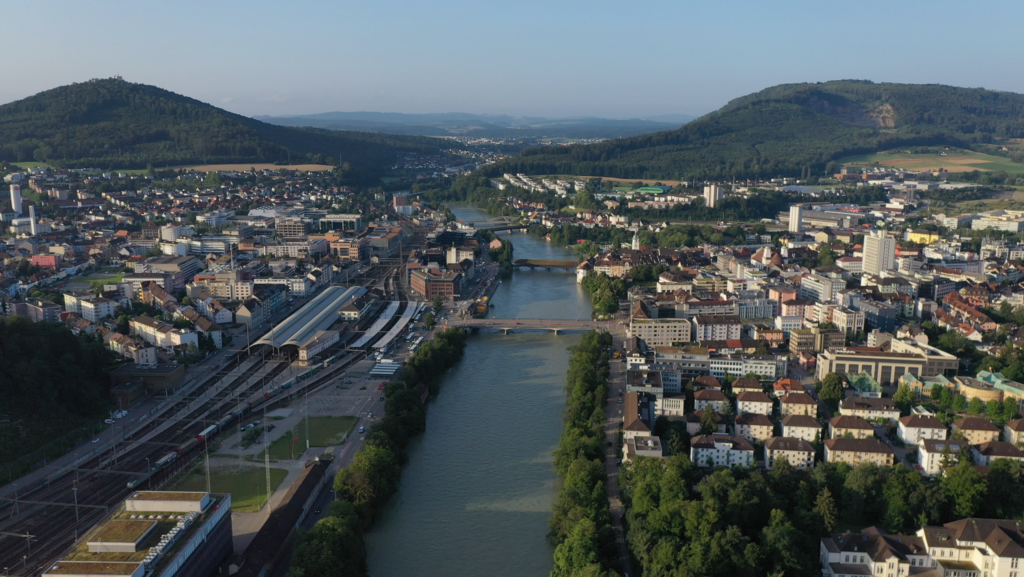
(605, 292)
(335, 546)
(747, 522)
(581, 521)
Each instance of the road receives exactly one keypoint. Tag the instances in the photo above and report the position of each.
(613, 410)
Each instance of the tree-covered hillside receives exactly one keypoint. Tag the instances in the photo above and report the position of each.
(791, 130)
(111, 123)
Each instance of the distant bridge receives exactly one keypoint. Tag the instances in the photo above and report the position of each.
(510, 325)
(548, 264)
(500, 227)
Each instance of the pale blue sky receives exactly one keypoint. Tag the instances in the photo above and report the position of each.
(552, 57)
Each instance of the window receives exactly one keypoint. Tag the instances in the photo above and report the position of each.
(1013, 563)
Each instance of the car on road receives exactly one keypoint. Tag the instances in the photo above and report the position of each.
(382, 398)
(109, 421)
(96, 440)
(369, 415)
(271, 427)
(381, 386)
(620, 401)
(316, 511)
(362, 388)
(362, 429)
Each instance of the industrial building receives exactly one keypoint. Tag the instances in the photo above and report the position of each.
(318, 315)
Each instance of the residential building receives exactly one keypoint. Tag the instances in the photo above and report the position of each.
(710, 399)
(856, 451)
(161, 334)
(636, 421)
(716, 328)
(1013, 431)
(433, 283)
(765, 366)
(798, 404)
(38, 310)
(803, 427)
(879, 252)
(869, 408)
(650, 447)
(796, 218)
(913, 429)
(721, 451)
(821, 289)
(815, 340)
(181, 269)
(693, 422)
(798, 452)
(754, 402)
(754, 427)
(937, 361)
(712, 194)
(670, 406)
(987, 453)
(850, 427)
(848, 320)
(931, 452)
(661, 331)
(976, 430)
(746, 385)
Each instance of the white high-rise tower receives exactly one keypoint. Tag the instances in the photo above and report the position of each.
(879, 252)
(32, 219)
(796, 218)
(16, 198)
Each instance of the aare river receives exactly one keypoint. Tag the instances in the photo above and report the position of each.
(476, 495)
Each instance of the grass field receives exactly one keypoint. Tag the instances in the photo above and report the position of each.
(246, 483)
(229, 167)
(954, 161)
(28, 165)
(115, 277)
(323, 431)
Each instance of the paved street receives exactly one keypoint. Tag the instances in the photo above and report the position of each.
(611, 462)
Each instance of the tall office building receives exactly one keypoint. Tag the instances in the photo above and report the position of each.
(796, 218)
(712, 194)
(879, 252)
(16, 198)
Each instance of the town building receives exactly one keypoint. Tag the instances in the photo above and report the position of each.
(879, 252)
(716, 328)
(913, 429)
(869, 408)
(987, 453)
(803, 427)
(754, 427)
(710, 399)
(976, 430)
(850, 427)
(721, 451)
(856, 451)
(932, 453)
(798, 452)
(693, 423)
(885, 367)
(754, 402)
(798, 404)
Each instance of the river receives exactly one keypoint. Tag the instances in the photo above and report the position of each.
(476, 495)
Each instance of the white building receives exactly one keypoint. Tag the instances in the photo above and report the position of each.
(930, 452)
(712, 194)
(721, 451)
(796, 218)
(913, 429)
(879, 252)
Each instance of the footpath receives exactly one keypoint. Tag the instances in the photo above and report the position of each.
(613, 410)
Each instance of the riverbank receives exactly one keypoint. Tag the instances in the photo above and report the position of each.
(335, 545)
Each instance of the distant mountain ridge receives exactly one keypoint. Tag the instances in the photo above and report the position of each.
(111, 123)
(793, 129)
(482, 125)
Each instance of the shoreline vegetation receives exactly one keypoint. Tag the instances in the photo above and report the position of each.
(581, 518)
(335, 545)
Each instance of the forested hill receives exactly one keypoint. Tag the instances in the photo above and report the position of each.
(792, 128)
(111, 123)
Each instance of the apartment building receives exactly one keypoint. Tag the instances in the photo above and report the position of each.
(693, 423)
(931, 452)
(754, 427)
(798, 404)
(1013, 431)
(869, 408)
(803, 427)
(798, 452)
(816, 340)
(879, 252)
(710, 399)
(661, 331)
(433, 283)
(856, 451)
(161, 334)
(716, 328)
(913, 429)
(976, 430)
(821, 289)
(987, 453)
(847, 320)
(754, 402)
(180, 269)
(721, 451)
(850, 427)
(765, 366)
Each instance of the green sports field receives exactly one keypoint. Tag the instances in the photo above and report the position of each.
(247, 484)
(954, 161)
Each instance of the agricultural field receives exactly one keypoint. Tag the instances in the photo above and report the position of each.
(246, 482)
(954, 161)
(323, 432)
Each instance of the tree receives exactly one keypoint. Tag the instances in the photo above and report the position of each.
(965, 487)
(825, 509)
(438, 303)
(708, 421)
(831, 392)
(904, 398)
(1009, 409)
(959, 403)
(976, 406)
(993, 410)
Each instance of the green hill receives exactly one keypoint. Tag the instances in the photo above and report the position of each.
(794, 128)
(111, 123)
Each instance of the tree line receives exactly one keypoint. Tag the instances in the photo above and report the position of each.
(335, 545)
(683, 521)
(581, 520)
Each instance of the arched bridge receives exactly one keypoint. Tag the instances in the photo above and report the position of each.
(548, 264)
(511, 325)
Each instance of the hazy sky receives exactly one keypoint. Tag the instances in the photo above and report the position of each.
(552, 57)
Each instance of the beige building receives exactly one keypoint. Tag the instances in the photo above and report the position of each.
(856, 451)
(798, 404)
(1013, 431)
(987, 453)
(693, 423)
(914, 428)
(801, 427)
(661, 332)
(976, 430)
(884, 367)
(754, 427)
(633, 424)
(869, 408)
(798, 452)
(746, 385)
(937, 361)
(850, 427)
(759, 403)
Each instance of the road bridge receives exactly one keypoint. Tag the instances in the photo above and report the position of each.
(511, 325)
(548, 264)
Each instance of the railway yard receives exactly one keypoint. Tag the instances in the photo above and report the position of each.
(42, 518)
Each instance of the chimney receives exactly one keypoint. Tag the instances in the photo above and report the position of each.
(32, 219)
(16, 198)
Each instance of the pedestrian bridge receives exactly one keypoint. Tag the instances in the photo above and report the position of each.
(548, 264)
(512, 325)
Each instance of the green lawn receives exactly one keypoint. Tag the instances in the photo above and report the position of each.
(954, 161)
(110, 277)
(247, 485)
(28, 165)
(323, 431)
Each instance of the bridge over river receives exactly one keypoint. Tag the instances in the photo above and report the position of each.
(548, 264)
(510, 325)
